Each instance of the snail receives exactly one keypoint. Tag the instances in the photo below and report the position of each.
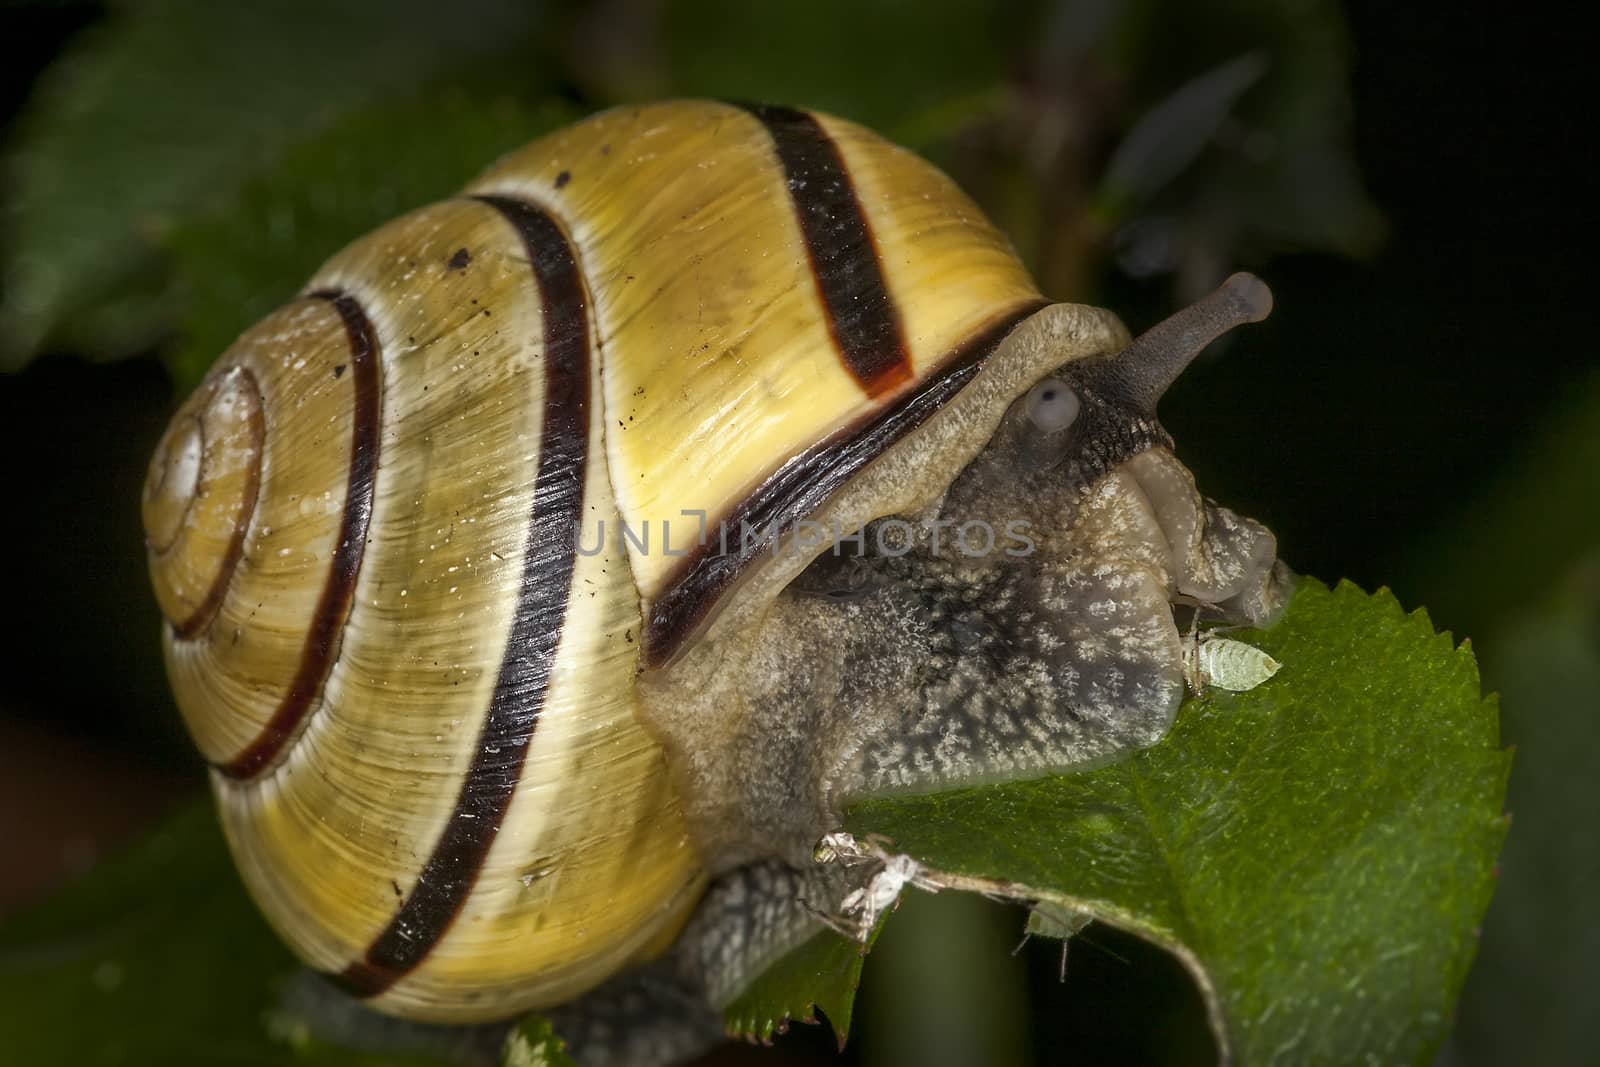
(542, 582)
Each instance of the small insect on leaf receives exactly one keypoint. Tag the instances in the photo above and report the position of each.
(1057, 922)
(1226, 664)
(1049, 919)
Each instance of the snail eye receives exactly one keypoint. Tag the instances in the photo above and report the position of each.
(1052, 406)
(853, 580)
(836, 577)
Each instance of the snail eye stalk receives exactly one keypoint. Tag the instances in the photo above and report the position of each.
(1147, 368)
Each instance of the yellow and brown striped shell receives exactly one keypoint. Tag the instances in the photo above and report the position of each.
(416, 689)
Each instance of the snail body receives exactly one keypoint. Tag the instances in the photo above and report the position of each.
(488, 564)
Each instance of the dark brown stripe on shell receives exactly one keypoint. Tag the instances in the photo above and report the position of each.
(453, 867)
(862, 319)
(202, 615)
(321, 646)
(798, 488)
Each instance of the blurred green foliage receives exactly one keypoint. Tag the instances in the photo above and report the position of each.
(161, 112)
(1533, 591)
(943, 989)
(871, 73)
(1539, 962)
(1519, 536)
(232, 141)
(158, 958)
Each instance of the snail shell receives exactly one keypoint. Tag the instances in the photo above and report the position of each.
(389, 623)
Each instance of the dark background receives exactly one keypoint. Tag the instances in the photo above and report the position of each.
(1380, 423)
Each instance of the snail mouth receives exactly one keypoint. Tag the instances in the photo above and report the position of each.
(1174, 506)
(1214, 558)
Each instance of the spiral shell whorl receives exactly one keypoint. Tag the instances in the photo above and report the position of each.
(200, 495)
(255, 514)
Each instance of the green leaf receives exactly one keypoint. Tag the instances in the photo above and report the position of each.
(156, 957)
(1318, 851)
(532, 1043)
(821, 974)
(164, 108)
(237, 263)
